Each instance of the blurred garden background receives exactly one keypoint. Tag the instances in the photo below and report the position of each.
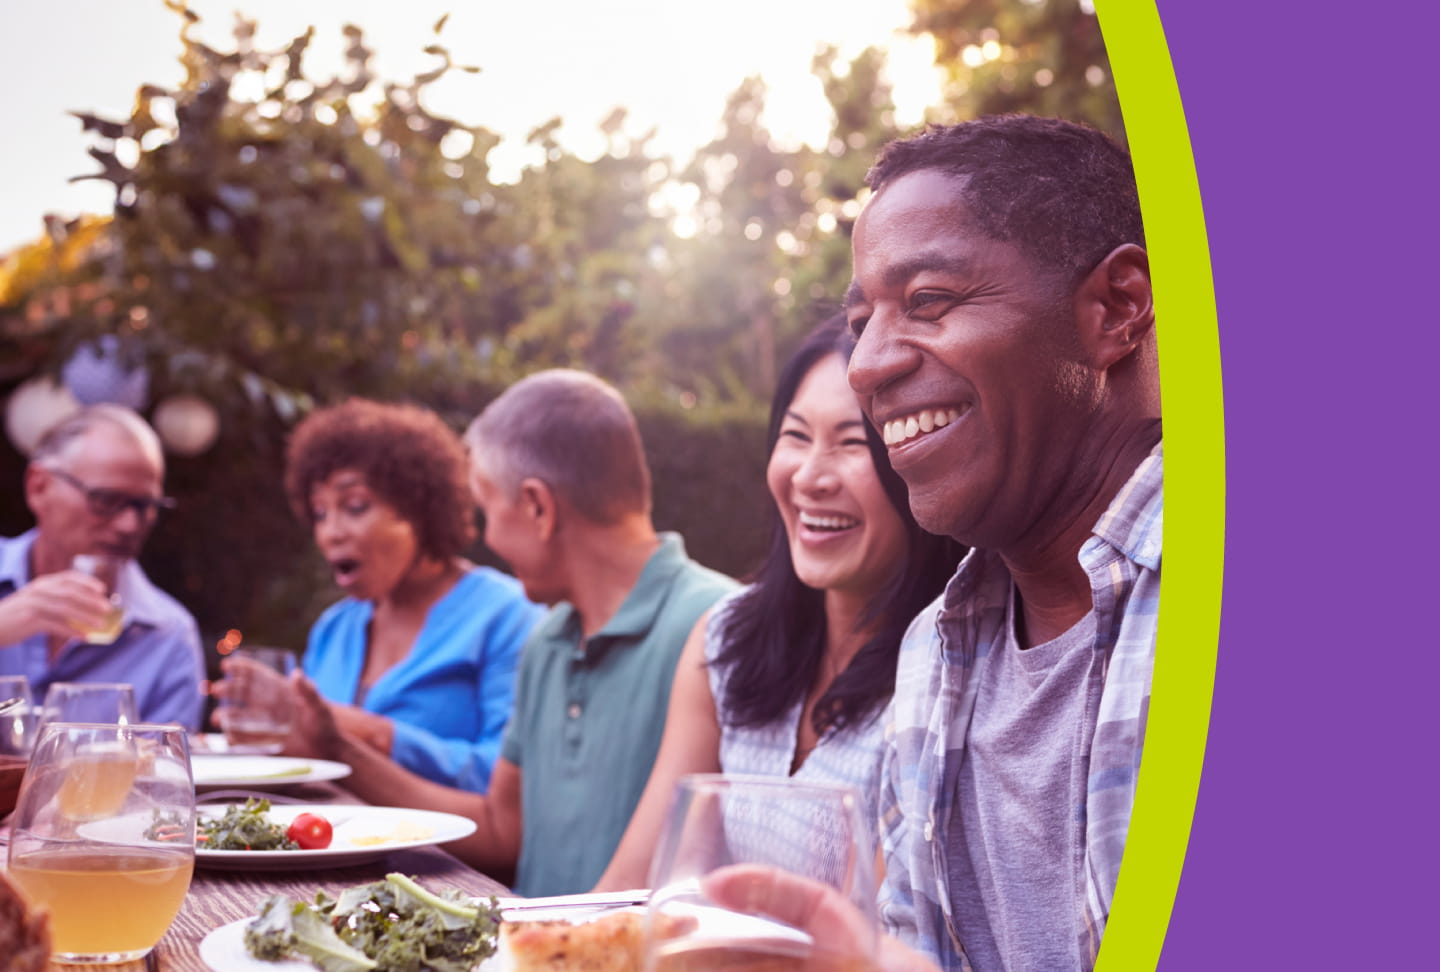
(279, 236)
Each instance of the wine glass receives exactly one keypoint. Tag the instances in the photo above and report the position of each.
(17, 716)
(103, 836)
(112, 702)
(257, 704)
(816, 834)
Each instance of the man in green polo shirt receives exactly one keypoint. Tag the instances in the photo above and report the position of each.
(558, 468)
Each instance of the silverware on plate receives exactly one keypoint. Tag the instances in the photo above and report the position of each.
(568, 904)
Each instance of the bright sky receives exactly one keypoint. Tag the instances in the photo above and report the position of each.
(670, 62)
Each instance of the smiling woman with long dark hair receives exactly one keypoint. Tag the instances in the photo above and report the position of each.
(788, 676)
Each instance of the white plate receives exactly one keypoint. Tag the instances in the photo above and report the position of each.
(259, 771)
(215, 744)
(224, 948)
(224, 951)
(401, 828)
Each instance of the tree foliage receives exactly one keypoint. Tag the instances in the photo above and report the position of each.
(1044, 57)
(290, 240)
(282, 240)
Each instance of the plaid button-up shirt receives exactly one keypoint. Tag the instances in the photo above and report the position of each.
(935, 692)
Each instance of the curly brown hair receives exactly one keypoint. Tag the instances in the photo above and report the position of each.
(409, 457)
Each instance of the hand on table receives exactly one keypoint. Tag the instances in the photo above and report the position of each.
(813, 907)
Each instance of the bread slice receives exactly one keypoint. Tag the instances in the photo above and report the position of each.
(24, 932)
(611, 943)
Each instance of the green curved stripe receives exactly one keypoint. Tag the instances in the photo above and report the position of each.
(1191, 399)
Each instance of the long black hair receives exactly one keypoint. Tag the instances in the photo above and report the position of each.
(773, 636)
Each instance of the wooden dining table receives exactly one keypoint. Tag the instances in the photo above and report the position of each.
(219, 897)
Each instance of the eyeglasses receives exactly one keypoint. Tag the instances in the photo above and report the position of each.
(108, 503)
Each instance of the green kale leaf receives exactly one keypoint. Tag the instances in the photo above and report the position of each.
(245, 828)
(399, 925)
(283, 929)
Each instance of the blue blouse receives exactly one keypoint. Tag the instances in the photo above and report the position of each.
(451, 697)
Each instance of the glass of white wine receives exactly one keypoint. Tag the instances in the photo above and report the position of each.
(103, 836)
(106, 568)
(816, 834)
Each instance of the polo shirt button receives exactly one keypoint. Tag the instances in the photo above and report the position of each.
(929, 830)
(574, 710)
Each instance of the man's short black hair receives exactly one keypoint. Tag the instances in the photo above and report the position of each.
(1062, 192)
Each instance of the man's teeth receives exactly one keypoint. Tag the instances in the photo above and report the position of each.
(898, 430)
(828, 522)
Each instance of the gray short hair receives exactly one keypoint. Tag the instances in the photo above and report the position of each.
(572, 431)
(57, 440)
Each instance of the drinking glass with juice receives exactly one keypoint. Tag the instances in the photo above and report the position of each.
(86, 841)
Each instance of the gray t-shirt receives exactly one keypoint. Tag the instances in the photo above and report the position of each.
(1016, 866)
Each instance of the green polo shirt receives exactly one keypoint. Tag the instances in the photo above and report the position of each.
(589, 716)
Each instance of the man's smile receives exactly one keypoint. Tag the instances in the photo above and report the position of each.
(919, 423)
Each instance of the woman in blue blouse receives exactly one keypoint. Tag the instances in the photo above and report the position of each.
(419, 658)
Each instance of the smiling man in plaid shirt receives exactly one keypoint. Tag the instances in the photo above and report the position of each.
(1006, 350)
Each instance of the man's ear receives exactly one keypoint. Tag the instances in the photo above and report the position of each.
(1114, 307)
(37, 480)
(540, 508)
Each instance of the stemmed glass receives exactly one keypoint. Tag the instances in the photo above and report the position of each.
(103, 836)
(112, 702)
(817, 833)
(18, 717)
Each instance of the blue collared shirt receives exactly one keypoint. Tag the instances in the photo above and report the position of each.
(935, 695)
(158, 651)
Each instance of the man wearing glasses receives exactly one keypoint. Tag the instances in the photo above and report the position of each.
(94, 485)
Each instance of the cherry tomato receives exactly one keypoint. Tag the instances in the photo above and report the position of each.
(311, 831)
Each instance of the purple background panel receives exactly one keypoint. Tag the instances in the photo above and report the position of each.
(1313, 126)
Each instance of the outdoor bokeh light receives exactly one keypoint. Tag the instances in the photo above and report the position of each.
(247, 221)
